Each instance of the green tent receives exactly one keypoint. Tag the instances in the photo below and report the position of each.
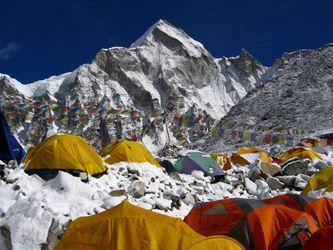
(198, 161)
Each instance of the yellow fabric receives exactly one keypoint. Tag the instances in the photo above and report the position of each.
(218, 243)
(237, 158)
(301, 153)
(129, 227)
(64, 151)
(222, 160)
(249, 150)
(127, 151)
(321, 180)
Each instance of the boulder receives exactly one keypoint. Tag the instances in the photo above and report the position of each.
(232, 180)
(269, 169)
(5, 238)
(2, 171)
(118, 192)
(262, 188)
(274, 183)
(287, 180)
(301, 181)
(163, 204)
(52, 236)
(311, 171)
(199, 175)
(189, 200)
(12, 164)
(255, 171)
(260, 170)
(295, 167)
(137, 189)
(251, 187)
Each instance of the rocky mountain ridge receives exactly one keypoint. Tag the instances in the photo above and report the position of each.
(297, 93)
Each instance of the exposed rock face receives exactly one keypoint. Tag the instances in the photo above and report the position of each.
(297, 92)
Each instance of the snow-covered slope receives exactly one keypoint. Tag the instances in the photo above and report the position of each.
(9, 86)
(50, 84)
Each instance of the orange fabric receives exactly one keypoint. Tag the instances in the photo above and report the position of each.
(237, 157)
(322, 239)
(321, 210)
(249, 150)
(270, 224)
(284, 200)
(208, 225)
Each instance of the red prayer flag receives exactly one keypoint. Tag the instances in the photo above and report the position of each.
(267, 139)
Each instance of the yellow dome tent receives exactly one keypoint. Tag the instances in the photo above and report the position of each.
(321, 180)
(127, 151)
(64, 152)
(223, 160)
(301, 153)
(218, 243)
(129, 227)
(239, 157)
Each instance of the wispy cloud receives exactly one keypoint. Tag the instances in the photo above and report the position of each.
(9, 51)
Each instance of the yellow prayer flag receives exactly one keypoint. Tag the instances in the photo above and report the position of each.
(282, 140)
(247, 135)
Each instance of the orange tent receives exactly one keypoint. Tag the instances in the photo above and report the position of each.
(293, 201)
(322, 239)
(240, 157)
(320, 209)
(252, 222)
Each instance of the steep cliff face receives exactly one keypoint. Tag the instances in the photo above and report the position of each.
(298, 92)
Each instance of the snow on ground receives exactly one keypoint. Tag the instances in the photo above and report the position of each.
(32, 209)
(29, 204)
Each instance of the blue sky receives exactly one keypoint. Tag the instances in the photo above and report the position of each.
(40, 38)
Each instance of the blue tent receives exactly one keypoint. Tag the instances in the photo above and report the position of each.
(10, 148)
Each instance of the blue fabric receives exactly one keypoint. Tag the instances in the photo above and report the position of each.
(11, 149)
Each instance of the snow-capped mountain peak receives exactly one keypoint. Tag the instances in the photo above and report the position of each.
(165, 33)
(165, 66)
